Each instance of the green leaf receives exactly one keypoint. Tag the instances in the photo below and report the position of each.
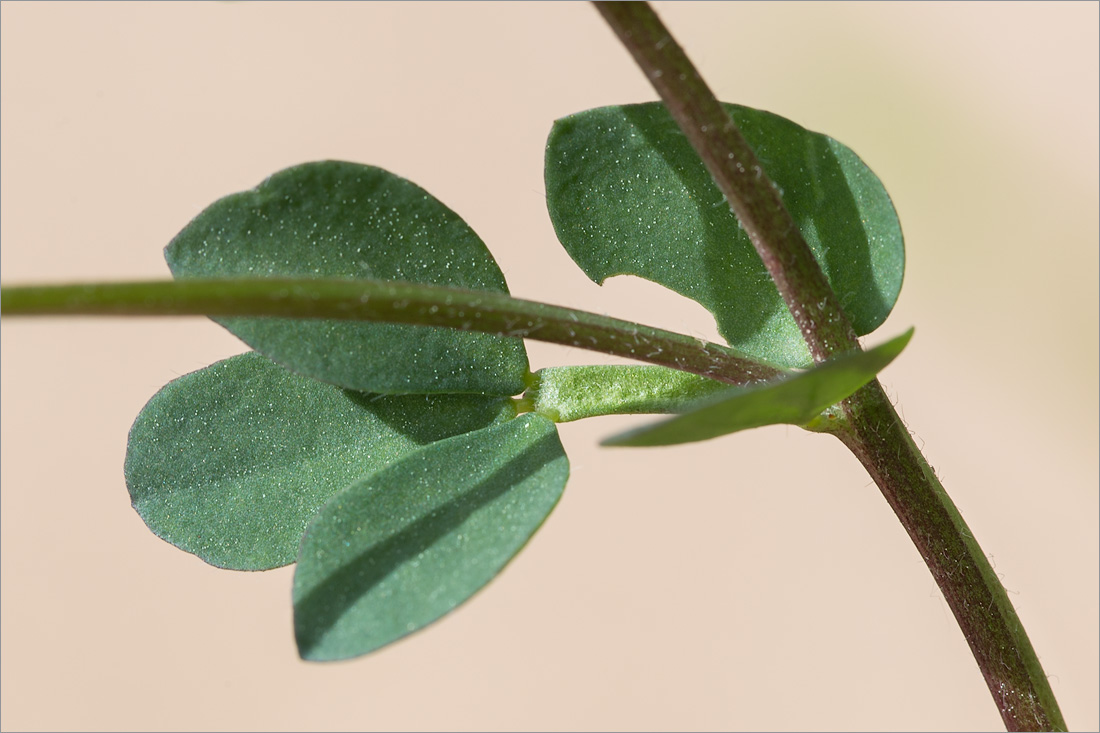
(230, 462)
(628, 195)
(397, 551)
(795, 400)
(342, 220)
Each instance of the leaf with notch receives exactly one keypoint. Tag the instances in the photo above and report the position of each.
(343, 220)
(794, 400)
(230, 462)
(628, 195)
(397, 551)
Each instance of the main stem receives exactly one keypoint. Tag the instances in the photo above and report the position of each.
(870, 428)
(875, 434)
(739, 175)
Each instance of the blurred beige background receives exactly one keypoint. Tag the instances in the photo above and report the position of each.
(756, 582)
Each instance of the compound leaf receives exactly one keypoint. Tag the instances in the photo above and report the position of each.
(628, 195)
(230, 462)
(343, 220)
(794, 400)
(393, 553)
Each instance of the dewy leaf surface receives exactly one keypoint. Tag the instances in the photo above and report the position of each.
(795, 400)
(628, 195)
(230, 462)
(395, 552)
(344, 220)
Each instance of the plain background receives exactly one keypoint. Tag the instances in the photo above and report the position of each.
(754, 582)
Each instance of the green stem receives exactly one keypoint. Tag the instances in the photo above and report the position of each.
(568, 393)
(869, 426)
(875, 434)
(739, 175)
(391, 302)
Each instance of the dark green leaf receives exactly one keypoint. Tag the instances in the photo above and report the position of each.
(794, 400)
(230, 462)
(392, 554)
(343, 220)
(628, 195)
